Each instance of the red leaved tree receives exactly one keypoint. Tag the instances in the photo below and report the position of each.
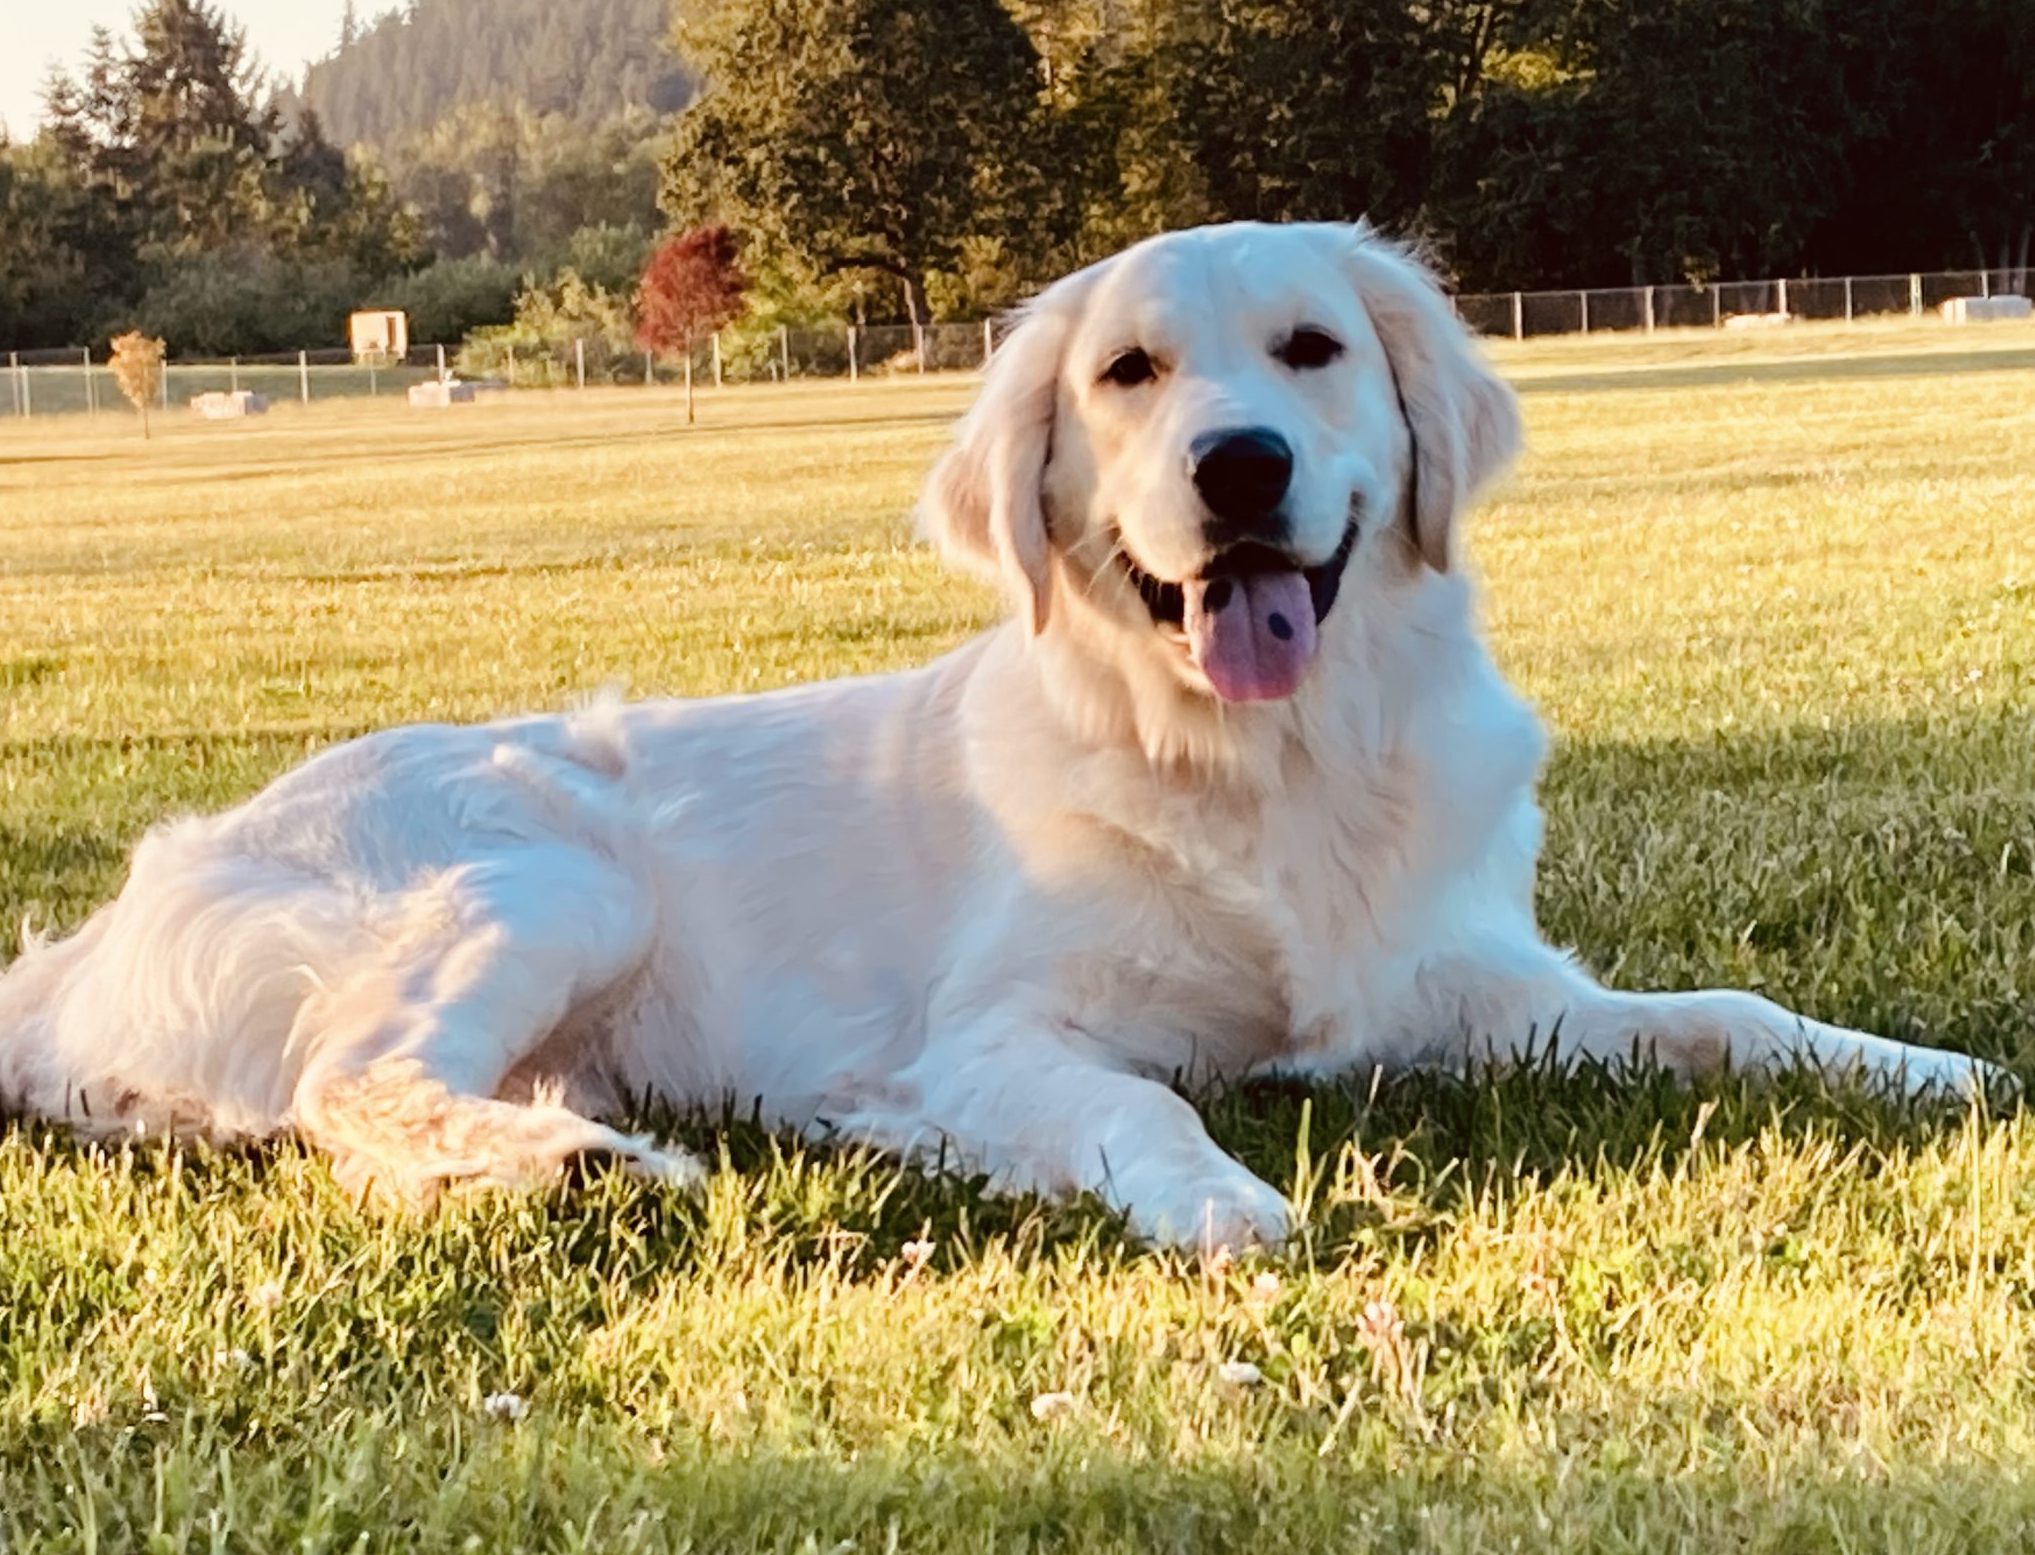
(691, 287)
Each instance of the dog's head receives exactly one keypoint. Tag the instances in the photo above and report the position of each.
(1198, 438)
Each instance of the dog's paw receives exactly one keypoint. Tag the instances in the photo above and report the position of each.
(1226, 1211)
(667, 1164)
(1927, 1073)
(640, 1157)
(1974, 1079)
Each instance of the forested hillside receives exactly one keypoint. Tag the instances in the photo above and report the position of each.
(523, 135)
(587, 60)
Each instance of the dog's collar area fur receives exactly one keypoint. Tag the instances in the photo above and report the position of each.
(1167, 602)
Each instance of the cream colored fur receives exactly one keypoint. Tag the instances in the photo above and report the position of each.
(995, 904)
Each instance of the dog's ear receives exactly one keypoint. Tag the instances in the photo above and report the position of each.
(1463, 418)
(983, 505)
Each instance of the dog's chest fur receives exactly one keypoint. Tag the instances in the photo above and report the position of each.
(1280, 921)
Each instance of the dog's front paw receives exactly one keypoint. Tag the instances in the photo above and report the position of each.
(1229, 1210)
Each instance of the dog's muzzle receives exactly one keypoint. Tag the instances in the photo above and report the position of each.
(1167, 601)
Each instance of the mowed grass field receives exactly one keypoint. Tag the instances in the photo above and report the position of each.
(1776, 597)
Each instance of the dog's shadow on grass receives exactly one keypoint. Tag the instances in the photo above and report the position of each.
(1390, 1163)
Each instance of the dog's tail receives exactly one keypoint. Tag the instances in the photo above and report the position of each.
(47, 979)
(171, 1010)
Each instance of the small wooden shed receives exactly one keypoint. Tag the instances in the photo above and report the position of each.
(379, 332)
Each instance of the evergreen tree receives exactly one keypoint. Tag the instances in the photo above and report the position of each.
(162, 157)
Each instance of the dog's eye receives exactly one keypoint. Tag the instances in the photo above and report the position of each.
(1306, 348)
(1129, 369)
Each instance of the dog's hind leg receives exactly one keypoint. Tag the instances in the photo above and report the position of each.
(496, 968)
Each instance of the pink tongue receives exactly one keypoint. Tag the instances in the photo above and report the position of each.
(1253, 635)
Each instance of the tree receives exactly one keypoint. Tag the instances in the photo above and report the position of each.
(1946, 150)
(1282, 110)
(138, 369)
(1625, 142)
(161, 159)
(860, 135)
(453, 297)
(692, 286)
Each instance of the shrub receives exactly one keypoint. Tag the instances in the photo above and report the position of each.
(450, 299)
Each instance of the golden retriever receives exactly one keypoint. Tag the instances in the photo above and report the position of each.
(1238, 789)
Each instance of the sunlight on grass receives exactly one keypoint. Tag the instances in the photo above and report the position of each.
(1776, 596)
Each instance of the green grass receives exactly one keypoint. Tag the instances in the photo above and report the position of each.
(1776, 597)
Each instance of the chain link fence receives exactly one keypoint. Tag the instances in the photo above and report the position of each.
(78, 381)
(41, 383)
(1519, 315)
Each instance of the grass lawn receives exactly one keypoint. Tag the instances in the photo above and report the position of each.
(1775, 595)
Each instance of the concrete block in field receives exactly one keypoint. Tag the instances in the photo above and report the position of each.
(438, 392)
(1975, 310)
(229, 404)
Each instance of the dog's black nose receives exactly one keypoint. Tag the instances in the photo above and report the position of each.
(1242, 474)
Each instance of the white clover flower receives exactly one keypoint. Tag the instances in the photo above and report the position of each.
(1240, 1374)
(1051, 1406)
(508, 1407)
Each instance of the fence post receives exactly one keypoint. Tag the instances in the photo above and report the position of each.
(649, 375)
(1649, 310)
(717, 359)
(854, 368)
(1584, 298)
(1783, 293)
(441, 362)
(1716, 305)
(579, 360)
(1985, 283)
(166, 386)
(784, 351)
(988, 343)
(919, 344)
(304, 377)
(13, 383)
(1847, 299)
(374, 374)
(512, 366)
(27, 398)
(1518, 317)
(1915, 295)
(91, 388)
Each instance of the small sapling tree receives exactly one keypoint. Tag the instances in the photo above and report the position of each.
(692, 286)
(138, 369)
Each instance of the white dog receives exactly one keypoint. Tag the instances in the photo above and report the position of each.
(1238, 790)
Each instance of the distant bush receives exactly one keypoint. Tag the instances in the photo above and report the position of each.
(606, 256)
(539, 346)
(246, 301)
(449, 300)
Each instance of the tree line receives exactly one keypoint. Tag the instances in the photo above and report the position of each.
(175, 187)
(965, 150)
(888, 159)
